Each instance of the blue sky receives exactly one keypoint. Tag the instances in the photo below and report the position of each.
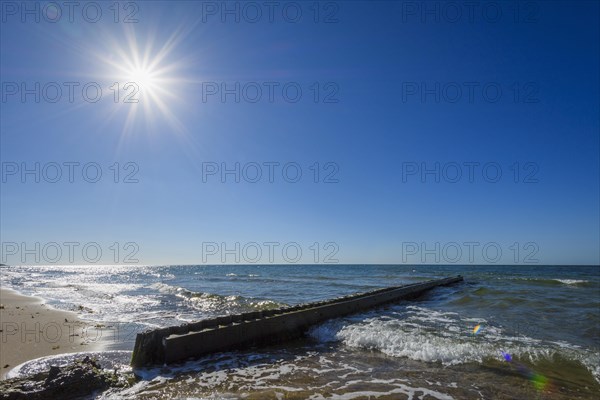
(400, 89)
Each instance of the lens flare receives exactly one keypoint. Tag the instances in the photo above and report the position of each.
(539, 381)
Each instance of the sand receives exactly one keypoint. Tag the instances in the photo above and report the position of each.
(30, 329)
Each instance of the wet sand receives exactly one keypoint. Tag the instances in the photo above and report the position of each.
(30, 329)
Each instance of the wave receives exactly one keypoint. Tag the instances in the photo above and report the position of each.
(216, 303)
(558, 282)
(442, 337)
(572, 281)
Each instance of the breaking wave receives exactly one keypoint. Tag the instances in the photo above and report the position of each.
(427, 335)
(216, 303)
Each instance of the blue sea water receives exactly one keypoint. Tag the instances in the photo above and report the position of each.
(506, 332)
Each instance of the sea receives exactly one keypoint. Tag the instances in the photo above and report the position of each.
(506, 332)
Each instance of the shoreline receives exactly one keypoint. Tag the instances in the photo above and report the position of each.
(30, 329)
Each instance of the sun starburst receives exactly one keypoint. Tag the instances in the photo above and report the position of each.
(144, 78)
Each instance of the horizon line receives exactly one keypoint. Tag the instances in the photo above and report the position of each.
(291, 264)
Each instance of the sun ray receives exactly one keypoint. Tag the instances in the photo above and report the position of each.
(148, 70)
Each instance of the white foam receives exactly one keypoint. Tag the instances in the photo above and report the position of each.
(446, 338)
(415, 344)
(571, 281)
(400, 389)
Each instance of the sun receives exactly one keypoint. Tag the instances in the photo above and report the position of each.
(146, 76)
(146, 82)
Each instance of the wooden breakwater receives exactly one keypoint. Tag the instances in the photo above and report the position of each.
(178, 343)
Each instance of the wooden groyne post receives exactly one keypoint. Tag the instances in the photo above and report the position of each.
(179, 343)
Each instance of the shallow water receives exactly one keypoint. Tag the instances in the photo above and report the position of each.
(507, 332)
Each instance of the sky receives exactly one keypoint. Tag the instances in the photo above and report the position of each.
(187, 132)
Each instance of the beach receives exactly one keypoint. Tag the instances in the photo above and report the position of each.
(32, 329)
